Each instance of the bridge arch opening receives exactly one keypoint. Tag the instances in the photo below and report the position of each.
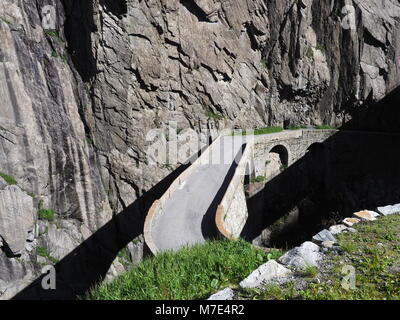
(283, 153)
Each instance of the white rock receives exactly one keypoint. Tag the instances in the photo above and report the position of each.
(16, 216)
(327, 244)
(29, 246)
(366, 215)
(349, 222)
(226, 294)
(268, 272)
(324, 235)
(388, 210)
(339, 228)
(306, 255)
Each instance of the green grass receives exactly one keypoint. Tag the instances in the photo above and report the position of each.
(310, 271)
(372, 263)
(54, 34)
(40, 251)
(47, 214)
(263, 63)
(214, 115)
(320, 47)
(88, 140)
(10, 180)
(377, 267)
(258, 179)
(310, 53)
(266, 130)
(190, 273)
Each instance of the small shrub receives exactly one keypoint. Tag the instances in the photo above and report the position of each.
(310, 271)
(40, 251)
(283, 167)
(88, 140)
(310, 53)
(10, 180)
(258, 179)
(263, 63)
(54, 34)
(214, 115)
(47, 214)
(320, 47)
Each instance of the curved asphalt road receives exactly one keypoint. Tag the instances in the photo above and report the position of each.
(188, 215)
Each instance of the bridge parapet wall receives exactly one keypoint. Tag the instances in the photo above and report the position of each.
(232, 212)
(295, 142)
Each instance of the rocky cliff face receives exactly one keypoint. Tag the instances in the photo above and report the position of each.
(78, 100)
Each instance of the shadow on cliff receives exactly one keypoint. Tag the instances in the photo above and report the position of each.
(355, 169)
(88, 264)
(78, 28)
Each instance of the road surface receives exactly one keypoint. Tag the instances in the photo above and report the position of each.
(188, 216)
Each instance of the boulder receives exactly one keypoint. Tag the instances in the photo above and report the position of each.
(336, 229)
(60, 242)
(324, 235)
(327, 244)
(349, 222)
(16, 216)
(308, 254)
(226, 294)
(388, 210)
(266, 273)
(366, 215)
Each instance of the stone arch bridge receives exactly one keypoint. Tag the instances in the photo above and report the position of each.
(208, 198)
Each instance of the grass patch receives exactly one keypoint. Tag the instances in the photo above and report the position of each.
(40, 251)
(190, 273)
(46, 214)
(373, 252)
(310, 271)
(10, 180)
(54, 34)
(263, 63)
(320, 47)
(214, 115)
(310, 53)
(266, 130)
(377, 267)
(258, 179)
(88, 140)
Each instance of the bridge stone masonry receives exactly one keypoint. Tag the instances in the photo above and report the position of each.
(208, 198)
